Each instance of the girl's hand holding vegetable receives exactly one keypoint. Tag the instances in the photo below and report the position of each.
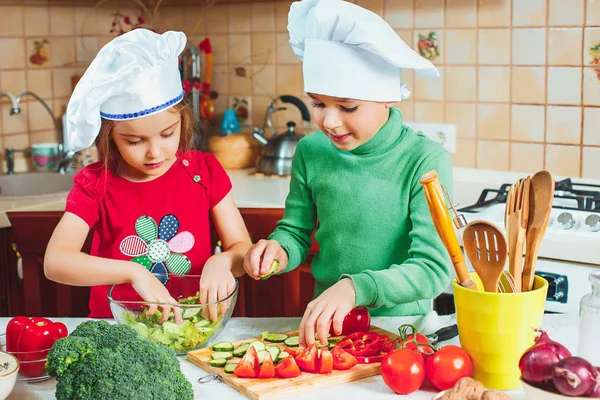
(216, 283)
(152, 290)
(332, 305)
(260, 257)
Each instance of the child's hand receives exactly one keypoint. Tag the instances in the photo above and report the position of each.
(216, 283)
(259, 258)
(334, 303)
(151, 289)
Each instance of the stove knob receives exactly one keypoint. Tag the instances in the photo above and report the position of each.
(565, 220)
(593, 222)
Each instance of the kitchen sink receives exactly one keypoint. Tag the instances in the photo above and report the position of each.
(34, 184)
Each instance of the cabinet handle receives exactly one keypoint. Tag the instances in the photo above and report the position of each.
(14, 247)
(19, 261)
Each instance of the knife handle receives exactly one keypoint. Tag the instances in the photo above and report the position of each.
(443, 225)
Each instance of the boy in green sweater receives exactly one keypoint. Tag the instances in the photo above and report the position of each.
(356, 180)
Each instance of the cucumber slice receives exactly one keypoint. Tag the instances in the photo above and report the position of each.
(221, 355)
(223, 346)
(219, 362)
(335, 339)
(274, 350)
(205, 329)
(274, 266)
(190, 312)
(241, 350)
(258, 345)
(292, 341)
(261, 355)
(282, 356)
(202, 323)
(274, 337)
(229, 368)
(235, 361)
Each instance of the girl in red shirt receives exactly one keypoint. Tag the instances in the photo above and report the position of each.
(150, 199)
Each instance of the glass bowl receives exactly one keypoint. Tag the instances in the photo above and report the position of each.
(32, 363)
(202, 322)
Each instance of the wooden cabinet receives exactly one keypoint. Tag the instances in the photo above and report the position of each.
(280, 296)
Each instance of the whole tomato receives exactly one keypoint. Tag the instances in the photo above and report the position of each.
(447, 365)
(357, 320)
(403, 371)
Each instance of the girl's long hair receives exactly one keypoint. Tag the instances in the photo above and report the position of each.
(109, 154)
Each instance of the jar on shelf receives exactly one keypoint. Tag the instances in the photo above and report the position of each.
(589, 322)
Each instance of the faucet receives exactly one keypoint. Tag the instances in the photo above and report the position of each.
(9, 155)
(65, 154)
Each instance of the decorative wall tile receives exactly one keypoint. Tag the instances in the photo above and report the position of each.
(563, 46)
(398, 13)
(429, 45)
(591, 163)
(492, 155)
(591, 85)
(591, 46)
(494, 46)
(461, 83)
(528, 85)
(565, 12)
(427, 88)
(461, 13)
(37, 21)
(460, 46)
(494, 13)
(429, 13)
(465, 153)
(493, 121)
(564, 85)
(526, 157)
(464, 115)
(529, 46)
(493, 84)
(527, 123)
(563, 125)
(38, 53)
(529, 12)
(591, 122)
(563, 161)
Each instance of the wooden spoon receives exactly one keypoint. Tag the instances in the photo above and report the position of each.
(540, 206)
(486, 247)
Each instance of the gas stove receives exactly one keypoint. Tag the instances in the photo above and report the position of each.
(570, 248)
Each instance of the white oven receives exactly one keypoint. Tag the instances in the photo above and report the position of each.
(570, 249)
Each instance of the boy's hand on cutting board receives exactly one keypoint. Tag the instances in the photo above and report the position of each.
(260, 257)
(216, 283)
(331, 306)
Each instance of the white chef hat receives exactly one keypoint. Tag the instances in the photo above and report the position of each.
(133, 76)
(350, 52)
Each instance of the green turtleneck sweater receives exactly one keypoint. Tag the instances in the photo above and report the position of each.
(374, 225)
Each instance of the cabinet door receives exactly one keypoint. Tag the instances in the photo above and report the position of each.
(284, 295)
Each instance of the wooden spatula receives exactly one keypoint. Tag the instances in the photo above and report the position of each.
(486, 248)
(540, 205)
(516, 220)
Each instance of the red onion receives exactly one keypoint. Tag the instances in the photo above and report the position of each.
(574, 376)
(537, 361)
(596, 390)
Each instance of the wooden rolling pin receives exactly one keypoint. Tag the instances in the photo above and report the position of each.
(443, 225)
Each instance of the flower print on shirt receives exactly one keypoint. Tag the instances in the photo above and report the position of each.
(159, 248)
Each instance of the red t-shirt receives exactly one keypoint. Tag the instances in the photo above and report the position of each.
(162, 224)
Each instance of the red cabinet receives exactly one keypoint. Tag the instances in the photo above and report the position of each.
(280, 296)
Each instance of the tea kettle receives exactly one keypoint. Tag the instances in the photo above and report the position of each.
(276, 158)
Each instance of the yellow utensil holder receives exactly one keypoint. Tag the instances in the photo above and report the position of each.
(496, 329)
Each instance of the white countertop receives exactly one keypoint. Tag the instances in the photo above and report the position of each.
(562, 328)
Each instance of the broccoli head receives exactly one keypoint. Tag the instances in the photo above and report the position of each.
(114, 363)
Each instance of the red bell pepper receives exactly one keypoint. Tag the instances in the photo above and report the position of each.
(31, 340)
(362, 344)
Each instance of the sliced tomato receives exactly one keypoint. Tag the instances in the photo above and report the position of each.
(287, 368)
(291, 352)
(249, 367)
(324, 362)
(342, 360)
(307, 358)
(267, 369)
(370, 359)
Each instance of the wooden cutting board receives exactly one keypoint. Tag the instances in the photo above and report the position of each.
(275, 388)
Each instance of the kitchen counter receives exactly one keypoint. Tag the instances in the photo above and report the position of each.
(251, 190)
(559, 327)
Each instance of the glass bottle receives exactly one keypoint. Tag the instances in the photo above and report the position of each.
(589, 322)
(230, 123)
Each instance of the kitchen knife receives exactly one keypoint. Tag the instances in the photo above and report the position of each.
(443, 334)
